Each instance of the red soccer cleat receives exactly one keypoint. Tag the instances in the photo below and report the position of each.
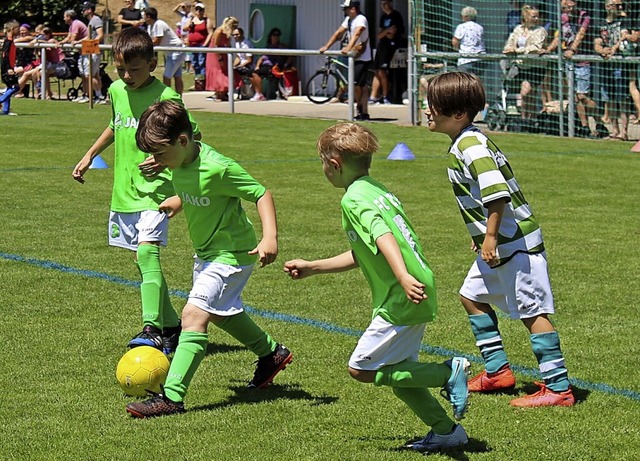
(489, 382)
(545, 397)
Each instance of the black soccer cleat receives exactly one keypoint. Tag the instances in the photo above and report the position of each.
(269, 366)
(149, 336)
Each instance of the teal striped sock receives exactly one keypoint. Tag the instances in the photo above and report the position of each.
(546, 347)
(489, 341)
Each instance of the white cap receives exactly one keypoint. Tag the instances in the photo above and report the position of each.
(349, 3)
(199, 5)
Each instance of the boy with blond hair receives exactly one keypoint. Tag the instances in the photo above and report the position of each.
(386, 248)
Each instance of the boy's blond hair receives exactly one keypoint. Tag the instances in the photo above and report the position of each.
(349, 141)
(9, 26)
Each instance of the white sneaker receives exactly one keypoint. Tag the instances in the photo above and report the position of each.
(100, 101)
(81, 100)
(258, 97)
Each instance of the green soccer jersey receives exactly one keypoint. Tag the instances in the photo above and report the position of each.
(211, 188)
(369, 211)
(480, 174)
(133, 192)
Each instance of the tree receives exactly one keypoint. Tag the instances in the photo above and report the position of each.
(33, 12)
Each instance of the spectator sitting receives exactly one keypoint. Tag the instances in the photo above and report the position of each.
(7, 66)
(25, 57)
(54, 56)
(243, 61)
(129, 16)
(389, 40)
(163, 35)
(265, 63)
(528, 38)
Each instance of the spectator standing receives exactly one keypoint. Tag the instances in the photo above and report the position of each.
(573, 38)
(217, 68)
(183, 10)
(356, 26)
(514, 17)
(389, 37)
(614, 31)
(468, 38)
(97, 33)
(77, 29)
(198, 26)
(163, 35)
(528, 38)
(129, 16)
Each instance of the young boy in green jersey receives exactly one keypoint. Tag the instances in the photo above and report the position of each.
(139, 186)
(209, 188)
(385, 246)
(510, 270)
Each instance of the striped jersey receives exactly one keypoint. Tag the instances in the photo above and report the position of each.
(480, 174)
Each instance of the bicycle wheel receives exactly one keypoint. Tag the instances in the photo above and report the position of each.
(322, 87)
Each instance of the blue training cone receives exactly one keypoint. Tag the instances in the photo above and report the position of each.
(98, 163)
(401, 152)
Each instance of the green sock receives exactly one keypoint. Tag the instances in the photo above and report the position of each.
(151, 287)
(191, 350)
(242, 328)
(409, 374)
(157, 308)
(426, 407)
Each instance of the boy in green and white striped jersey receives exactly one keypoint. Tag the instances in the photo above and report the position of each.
(510, 271)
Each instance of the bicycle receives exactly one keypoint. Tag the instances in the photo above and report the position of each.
(327, 83)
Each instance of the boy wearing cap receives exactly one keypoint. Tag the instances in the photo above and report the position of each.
(96, 32)
(357, 28)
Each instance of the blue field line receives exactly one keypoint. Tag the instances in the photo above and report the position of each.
(328, 327)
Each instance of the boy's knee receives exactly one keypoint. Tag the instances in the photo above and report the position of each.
(364, 376)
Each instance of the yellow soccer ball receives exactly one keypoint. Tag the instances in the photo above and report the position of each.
(142, 369)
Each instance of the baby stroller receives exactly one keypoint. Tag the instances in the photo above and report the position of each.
(67, 69)
(504, 113)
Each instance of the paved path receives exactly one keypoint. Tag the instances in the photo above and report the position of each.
(301, 107)
(297, 107)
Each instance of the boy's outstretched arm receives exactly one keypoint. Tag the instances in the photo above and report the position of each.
(300, 268)
(171, 206)
(495, 210)
(267, 249)
(413, 288)
(104, 141)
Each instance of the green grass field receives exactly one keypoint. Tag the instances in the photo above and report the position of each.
(70, 303)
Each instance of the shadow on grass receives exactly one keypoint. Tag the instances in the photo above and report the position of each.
(458, 453)
(244, 395)
(213, 348)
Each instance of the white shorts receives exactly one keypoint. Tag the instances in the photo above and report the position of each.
(127, 230)
(520, 287)
(217, 288)
(83, 64)
(386, 344)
